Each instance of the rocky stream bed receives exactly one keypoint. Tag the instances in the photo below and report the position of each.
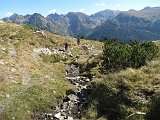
(72, 105)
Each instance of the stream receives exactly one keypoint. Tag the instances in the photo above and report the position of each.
(71, 107)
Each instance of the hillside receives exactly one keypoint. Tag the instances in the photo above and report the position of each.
(40, 80)
(142, 25)
(33, 67)
(129, 94)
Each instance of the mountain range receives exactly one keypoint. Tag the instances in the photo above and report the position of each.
(143, 25)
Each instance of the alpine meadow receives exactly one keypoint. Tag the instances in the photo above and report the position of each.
(80, 60)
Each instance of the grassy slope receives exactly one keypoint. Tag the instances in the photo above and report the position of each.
(116, 96)
(27, 86)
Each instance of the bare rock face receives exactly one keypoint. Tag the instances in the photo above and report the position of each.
(125, 25)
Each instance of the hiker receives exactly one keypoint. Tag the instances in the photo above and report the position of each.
(78, 40)
(66, 46)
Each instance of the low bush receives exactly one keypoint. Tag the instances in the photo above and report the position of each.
(118, 55)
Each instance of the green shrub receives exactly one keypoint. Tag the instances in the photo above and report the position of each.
(118, 55)
(142, 52)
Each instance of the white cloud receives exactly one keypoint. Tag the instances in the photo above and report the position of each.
(52, 11)
(8, 14)
(101, 5)
(82, 10)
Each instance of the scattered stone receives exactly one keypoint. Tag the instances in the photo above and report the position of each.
(58, 115)
(1, 62)
(58, 51)
(12, 52)
(13, 81)
(13, 70)
(73, 70)
(54, 92)
(7, 95)
(72, 97)
(70, 118)
(12, 65)
(41, 32)
(47, 77)
(65, 105)
(48, 115)
(87, 80)
(70, 112)
(3, 49)
(72, 105)
(45, 51)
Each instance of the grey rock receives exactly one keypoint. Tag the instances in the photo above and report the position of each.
(45, 51)
(58, 115)
(2, 62)
(65, 105)
(72, 97)
(13, 70)
(87, 80)
(47, 77)
(13, 81)
(74, 101)
(3, 49)
(12, 52)
(7, 95)
(70, 118)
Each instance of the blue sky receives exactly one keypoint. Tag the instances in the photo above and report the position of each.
(45, 7)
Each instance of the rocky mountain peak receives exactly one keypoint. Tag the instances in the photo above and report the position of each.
(37, 15)
(151, 8)
(77, 23)
(55, 16)
(106, 14)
